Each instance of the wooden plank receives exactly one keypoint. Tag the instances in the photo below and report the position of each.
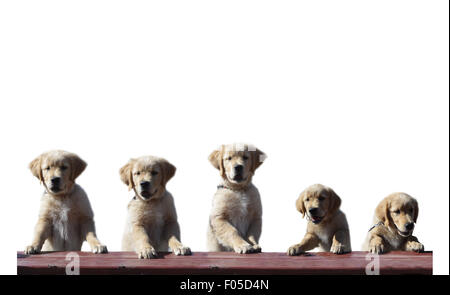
(210, 263)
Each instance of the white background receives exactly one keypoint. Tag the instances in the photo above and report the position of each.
(351, 94)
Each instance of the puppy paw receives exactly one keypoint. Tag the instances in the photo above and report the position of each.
(99, 249)
(337, 248)
(182, 251)
(295, 250)
(32, 250)
(147, 253)
(376, 249)
(256, 248)
(243, 249)
(415, 246)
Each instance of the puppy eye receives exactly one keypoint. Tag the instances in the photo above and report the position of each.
(321, 198)
(245, 158)
(229, 158)
(47, 168)
(397, 211)
(138, 173)
(307, 199)
(154, 173)
(63, 167)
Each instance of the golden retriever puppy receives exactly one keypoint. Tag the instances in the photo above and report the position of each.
(152, 219)
(65, 219)
(393, 225)
(236, 216)
(327, 225)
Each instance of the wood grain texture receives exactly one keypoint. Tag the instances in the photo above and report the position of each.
(210, 263)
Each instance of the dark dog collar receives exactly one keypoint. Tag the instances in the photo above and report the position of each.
(220, 186)
(378, 224)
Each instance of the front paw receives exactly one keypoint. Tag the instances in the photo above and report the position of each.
(376, 248)
(32, 250)
(415, 246)
(257, 248)
(244, 248)
(147, 253)
(295, 250)
(182, 251)
(99, 249)
(338, 248)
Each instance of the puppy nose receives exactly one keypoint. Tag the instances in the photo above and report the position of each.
(409, 226)
(238, 168)
(313, 210)
(145, 184)
(55, 180)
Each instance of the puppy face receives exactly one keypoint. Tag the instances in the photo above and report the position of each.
(318, 202)
(399, 211)
(147, 176)
(237, 163)
(57, 170)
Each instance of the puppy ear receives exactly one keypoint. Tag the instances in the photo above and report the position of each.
(416, 210)
(258, 158)
(382, 212)
(168, 171)
(216, 160)
(300, 204)
(335, 201)
(77, 166)
(125, 174)
(35, 167)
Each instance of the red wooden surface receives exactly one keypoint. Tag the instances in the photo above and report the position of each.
(209, 263)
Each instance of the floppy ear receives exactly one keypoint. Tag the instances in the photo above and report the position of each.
(216, 160)
(382, 211)
(35, 167)
(258, 158)
(125, 174)
(168, 171)
(300, 205)
(77, 166)
(335, 201)
(416, 210)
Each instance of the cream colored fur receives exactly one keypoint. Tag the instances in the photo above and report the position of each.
(390, 233)
(329, 230)
(151, 224)
(236, 216)
(66, 218)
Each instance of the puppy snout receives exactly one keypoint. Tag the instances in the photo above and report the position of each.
(313, 211)
(145, 185)
(238, 169)
(409, 226)
(56, 181)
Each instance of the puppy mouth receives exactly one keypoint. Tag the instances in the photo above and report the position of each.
(238, 178)
(316, 219)
(404, 233)
(147, 195)
(55, 189)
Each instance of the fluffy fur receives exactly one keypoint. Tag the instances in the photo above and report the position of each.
(236, 217)
(393, 225)
(152, 219)
(65, 218)
(327, 225)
